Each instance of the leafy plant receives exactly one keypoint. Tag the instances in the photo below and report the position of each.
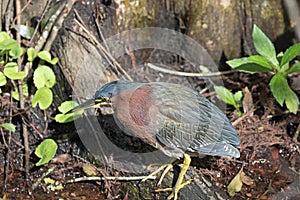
(43, 76)
(230, 98)
(278, 65)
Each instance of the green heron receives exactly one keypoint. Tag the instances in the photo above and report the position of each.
(172, 118)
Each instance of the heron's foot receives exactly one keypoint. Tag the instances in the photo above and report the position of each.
(174, 190)
(157, 171)
(179, 185)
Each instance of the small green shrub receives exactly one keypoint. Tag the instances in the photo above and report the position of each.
(278, 65)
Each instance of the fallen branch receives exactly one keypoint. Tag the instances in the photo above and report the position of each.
(202, 75)
(110, 178)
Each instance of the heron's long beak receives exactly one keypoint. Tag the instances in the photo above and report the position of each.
(88, 104)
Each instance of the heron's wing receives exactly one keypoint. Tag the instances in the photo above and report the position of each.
(192, 123)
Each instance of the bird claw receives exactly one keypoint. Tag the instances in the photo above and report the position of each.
(154, 173)
(179, 185)
(174, 190)
(167, 169)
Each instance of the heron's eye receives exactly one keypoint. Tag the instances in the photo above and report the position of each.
(101, 100)
(105, 99)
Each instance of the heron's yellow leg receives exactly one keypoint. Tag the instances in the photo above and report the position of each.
(179, 185)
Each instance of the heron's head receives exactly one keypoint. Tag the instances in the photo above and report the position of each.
(103, 95)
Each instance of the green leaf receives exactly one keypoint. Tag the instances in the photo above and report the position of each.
(290, 54)
(7, 42)
(4, 36)
(44, 97)
(225, 95)
(279, 87)
(67, 106)
(64, 118)
(239, 112)
(9, 126)
(11, 71)
(263, 45)
(44, 77)
(2, 79)
(260, 60)
(237, 62)
(31, 54)
(279, 57)
(64, 108)
(294, 68)
(45, 55)
(284, 68)
(251, 64)
(45, 151)
(54, 61)
(15, 94)
(16, 52)
(292, 101)
(25, 31)
(238, 95)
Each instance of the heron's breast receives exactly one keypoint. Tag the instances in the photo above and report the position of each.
(134, 110)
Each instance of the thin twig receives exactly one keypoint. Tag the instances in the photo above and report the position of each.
(19, 14)
(81, 24)
(28, 123)
(296, 135)
(39, 22)
(7, 157)
(8, 14)
(47, 30)
(110, 178)
(24, 127)
(202, 75)
(111, 59)
(238, 120)
(58, 24)
(130, 53)
(100, 33)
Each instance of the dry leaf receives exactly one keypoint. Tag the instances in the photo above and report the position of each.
(236, 184)
(247, 100)
(246, 179)
(89, 170)
(62, 158)
(275, 154)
